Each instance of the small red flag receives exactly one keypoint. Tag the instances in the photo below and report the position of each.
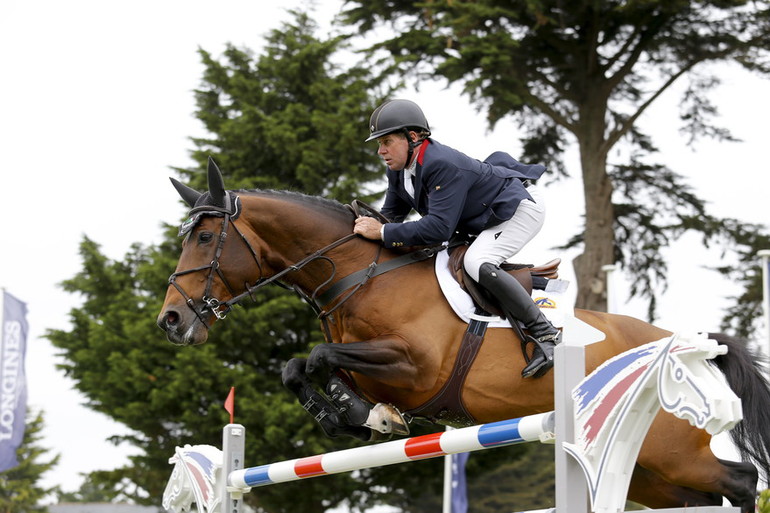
(230, 403)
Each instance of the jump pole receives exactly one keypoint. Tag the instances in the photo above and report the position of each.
(474, 438)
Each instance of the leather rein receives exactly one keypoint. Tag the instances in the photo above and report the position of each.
(356, 280)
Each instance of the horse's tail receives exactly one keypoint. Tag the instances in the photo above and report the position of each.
(744, 373)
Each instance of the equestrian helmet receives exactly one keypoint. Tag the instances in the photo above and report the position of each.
(394, 116)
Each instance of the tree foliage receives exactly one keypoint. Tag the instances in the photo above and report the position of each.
(20, 491)
(584, 72)
(286, 119)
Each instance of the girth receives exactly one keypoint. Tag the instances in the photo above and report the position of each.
(447, 407)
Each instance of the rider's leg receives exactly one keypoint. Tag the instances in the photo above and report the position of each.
(518, 305)
(497, 244)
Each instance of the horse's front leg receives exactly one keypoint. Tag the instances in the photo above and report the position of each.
(330, 419)
(384, 360)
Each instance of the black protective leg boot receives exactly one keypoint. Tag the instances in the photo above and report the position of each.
(518, 306)
(350, 406)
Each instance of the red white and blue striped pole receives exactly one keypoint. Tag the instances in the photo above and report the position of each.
(485, 436)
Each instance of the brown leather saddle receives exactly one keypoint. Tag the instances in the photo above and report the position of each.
(530, 276)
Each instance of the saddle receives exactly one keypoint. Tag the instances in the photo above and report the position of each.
(530, 276)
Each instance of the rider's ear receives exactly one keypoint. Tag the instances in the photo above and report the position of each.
(188, 194)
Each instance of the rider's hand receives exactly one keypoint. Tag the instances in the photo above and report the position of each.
(368, 227)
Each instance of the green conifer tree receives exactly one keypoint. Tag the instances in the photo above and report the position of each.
(20, 490)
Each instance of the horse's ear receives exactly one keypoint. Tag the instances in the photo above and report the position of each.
(216, 184)
(188, 194)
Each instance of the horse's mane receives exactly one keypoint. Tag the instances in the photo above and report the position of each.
(315, 202)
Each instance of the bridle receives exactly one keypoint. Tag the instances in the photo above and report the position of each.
(219, 308)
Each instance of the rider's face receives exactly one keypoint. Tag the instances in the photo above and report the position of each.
(393, 149)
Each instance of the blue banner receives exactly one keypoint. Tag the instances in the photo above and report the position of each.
(13, 382)
(459, 490)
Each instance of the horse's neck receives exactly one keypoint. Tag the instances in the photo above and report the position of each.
(291, 233)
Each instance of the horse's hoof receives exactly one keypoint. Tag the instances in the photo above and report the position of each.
(385, 418)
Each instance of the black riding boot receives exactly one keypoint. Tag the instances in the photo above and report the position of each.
(518, 306)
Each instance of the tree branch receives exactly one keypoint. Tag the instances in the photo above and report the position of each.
(617, 133)
(551, 112)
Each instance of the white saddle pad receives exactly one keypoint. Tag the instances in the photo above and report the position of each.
(555, 302)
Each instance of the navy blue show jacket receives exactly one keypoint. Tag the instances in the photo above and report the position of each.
(454, 192)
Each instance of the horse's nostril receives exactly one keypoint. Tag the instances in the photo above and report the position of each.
(170, 319)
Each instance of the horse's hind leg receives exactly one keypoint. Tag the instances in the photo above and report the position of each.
(683, 458)
(653, 491)
(331, 420)
(735, 481)
(741, 479)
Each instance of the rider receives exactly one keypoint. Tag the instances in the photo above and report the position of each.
(494, 200)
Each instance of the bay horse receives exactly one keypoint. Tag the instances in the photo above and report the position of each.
(393, 338)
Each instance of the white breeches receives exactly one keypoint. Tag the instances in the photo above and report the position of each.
(499, 243)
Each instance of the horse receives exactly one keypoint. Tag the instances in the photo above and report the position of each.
(394, 340)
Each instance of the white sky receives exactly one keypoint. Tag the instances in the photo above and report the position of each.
(96, 104)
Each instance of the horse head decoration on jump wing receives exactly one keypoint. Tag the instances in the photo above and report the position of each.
(673, 373)
(194, 479)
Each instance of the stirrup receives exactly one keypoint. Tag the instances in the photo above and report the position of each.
(541, 361)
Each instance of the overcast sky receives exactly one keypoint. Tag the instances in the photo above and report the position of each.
(96, 104)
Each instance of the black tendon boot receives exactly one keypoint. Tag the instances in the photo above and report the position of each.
(518, 306)
(351, 407)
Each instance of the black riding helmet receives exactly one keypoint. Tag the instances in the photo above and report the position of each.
(399, 116)
(394, 116)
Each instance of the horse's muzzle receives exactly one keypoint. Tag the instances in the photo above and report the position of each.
(182, 328)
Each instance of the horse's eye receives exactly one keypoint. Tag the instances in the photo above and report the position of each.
(204, 237)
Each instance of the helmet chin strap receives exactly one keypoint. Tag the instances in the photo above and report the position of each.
(412, 146)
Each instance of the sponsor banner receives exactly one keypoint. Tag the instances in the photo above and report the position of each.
(13, 383)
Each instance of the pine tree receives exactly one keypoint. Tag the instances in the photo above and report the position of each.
(20, 491)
